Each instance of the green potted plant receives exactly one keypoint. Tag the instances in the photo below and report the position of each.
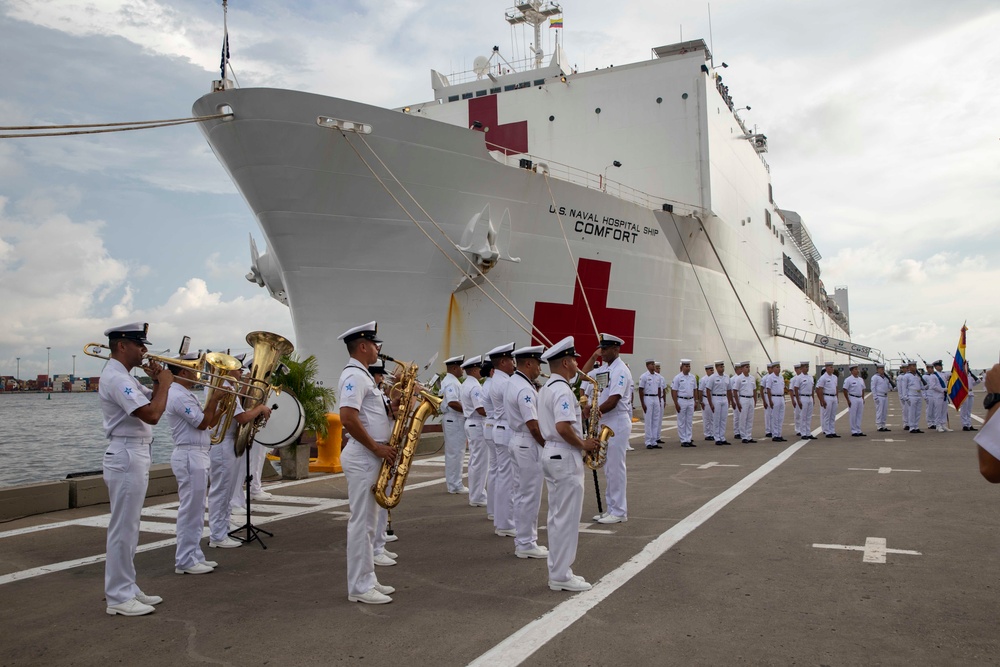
(300, 381)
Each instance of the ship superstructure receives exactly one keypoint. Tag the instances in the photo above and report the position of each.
(644, 170)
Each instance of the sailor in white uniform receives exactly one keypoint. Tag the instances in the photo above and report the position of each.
(526, 442)
(682, 392)
(475, 413)
(854, 392)
(491, 446)
(745, 395)
(663, 400)
(704, 399)
(225, 471)
(734, 401)
(718, 386)
(763, 399)
(190, 461)
(562, 463)
(776, 396)
(966, 410)
(902, 380)
(826, 393)
(880, 394)
(383, 557)
(128, 409)
(792, 387)
(938, 392)
(616, 412)
(258, 455)
(502, 358)
(914, 397)
(804, 392)
(649, 399)
(367, 418)
(453, 424)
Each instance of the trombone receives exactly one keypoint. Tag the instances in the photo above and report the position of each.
(212, 369)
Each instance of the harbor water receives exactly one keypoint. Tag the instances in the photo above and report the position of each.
(43, 440)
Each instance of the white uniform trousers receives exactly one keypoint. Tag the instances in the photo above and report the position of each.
(926, 411)
(503, 503)
(615, 474)
(806, 415)
(856, 413)
(746, 417)
(657, 421)
(940, 409)
(915, 407)
(258, 454)
(652, 431)
(361, 468)
(126, 474)
(564, 479)
(797, 418)
(721, 416)
(453, 426)
(685, 419)
(707, 419)
(767, 420)
(190, 464)
(381, 523)
(224, 475)
(904, 410)
(881, 410)
(528, 499)
(479, 461)
(965, 412)
(777, 416)
(491, 475)
(828, 415)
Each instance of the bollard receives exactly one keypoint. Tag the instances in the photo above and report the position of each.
(328, 448)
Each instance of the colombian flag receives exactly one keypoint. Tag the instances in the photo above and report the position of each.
(555, 23)
(958, 385)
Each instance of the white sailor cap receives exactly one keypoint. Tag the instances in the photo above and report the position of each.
(938, 363)
(880, 366)
(709, 366)
(505, 350)
(685, 361)
(650, 361)
(742, 364)
(656, 363)
(368, 331)
(136, 331)
(828, 363)
(720, 363)
(531, 352)
(852, 367)
(797, 365)
(775, 363)
(248, 362)
(456, 360)
(564, 348)
(607, 340)
(241, 357)
(377, 368)
(804, 363)
(474, 361)
(929, 364)
(190, 356)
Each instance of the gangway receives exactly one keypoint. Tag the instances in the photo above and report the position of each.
(824, 341)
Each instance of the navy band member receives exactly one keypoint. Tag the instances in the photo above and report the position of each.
(475, 413)
(521, 409)
(704, 399)
(682, 389)
(129, 410)
(616, 412)
(383, 556)
(453, 424)
(190, 461)
(502, 358)
(367, 419)
(880, 394)
(854, 392)
(562, 462)
(826, 393)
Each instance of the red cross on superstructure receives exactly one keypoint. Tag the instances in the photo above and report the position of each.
(558, 320)
(511, 138)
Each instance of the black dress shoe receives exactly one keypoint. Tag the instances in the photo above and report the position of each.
(906, 428)
(719, 443)
(655, 447)
(862, 435)
(915, 430)
(691, 444)
(649, 446)
(767, 435)
(831, 435)
(660, 442)
(709, 439)
(746, 442)
(778, 439)
(973, 428)
(751, 441)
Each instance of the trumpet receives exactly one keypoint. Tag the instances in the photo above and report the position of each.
(212, 368)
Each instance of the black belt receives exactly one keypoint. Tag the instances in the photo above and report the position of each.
(829, 394)
(686, 397)
(855, 395)
(882, 395)
(719, 394)
(744, 396)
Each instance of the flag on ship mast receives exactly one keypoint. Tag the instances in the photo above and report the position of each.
(225, 56)
(958, 385)
(555, 23)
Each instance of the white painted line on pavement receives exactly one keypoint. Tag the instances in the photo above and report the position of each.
(711, 464)
(874, 549)
(883, 471)
(519, 646)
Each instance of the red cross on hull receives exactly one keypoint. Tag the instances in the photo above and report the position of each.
(511, 138)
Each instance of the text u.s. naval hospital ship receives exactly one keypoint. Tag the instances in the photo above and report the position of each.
(641, 179)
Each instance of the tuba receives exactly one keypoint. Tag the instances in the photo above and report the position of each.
(405, 435)
(602, 434)
(268, 349)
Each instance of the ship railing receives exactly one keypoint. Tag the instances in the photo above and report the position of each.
(497, 69)
(577, 176)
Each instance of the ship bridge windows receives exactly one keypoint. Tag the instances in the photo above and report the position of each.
(792, 272)
(494, 91)
(481, 93)
(453, 98)
(539, 82)
(466, 96)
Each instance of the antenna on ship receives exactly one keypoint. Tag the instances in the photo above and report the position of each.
(534, 13)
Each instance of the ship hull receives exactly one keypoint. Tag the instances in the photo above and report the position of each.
(335, 209)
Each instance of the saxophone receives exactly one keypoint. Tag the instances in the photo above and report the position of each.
(602, 434)
(405, 435)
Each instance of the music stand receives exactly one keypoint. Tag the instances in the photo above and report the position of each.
(252, 531)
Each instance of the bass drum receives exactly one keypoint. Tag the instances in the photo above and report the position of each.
(285, 424)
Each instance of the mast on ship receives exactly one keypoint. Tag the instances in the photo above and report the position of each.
(534, 13)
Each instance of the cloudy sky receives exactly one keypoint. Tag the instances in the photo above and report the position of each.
(881, 120)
